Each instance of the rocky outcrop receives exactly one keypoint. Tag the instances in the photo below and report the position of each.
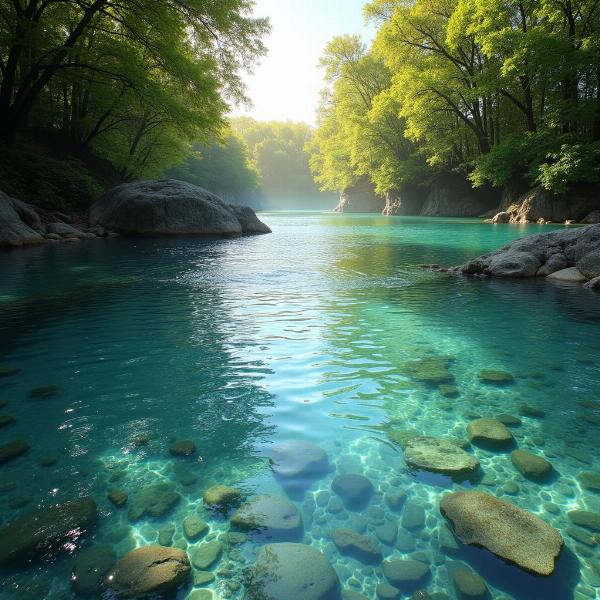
(407, 200)
(360, 198)
(170, 207)
(513, 534)
(538, 205)
(540, 255)
(20, 225)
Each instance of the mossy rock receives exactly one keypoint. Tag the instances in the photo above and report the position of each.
(118, 497)
(430, 370)
(153, 501)
(222, 497)
(439, 455)
(206, 554)
(589, 481)
(182, 448)
(495, 377)
(530, 465)
(489, 433)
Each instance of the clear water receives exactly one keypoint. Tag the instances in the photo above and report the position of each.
(240, 343)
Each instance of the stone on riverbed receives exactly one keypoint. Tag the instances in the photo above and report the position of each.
(153, 501)
(221, 497)
(170, 207)
(440, 456)
(6, 420)
(194, 527)
(364, 548)
(585, 518)
(495, 376)
(40, 531)
(406, 574)
(432, 370)
(206, 554)
(271, 516)
(295, 458)
(292, 571)
(589, 480)
(467, 584)
(504, 529)
(355, 490)
(13, 450)
(530, 465)
(8, 371)
(44, 392)
(182, 448)
(90, 567)
(489, 433)
(150, 571)
(569, 274)
(118, 497)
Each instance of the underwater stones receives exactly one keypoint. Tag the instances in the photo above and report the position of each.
(385, 591)
(531, 411)
(221, 497)
(386, 533)
(468, 585)
(406, 574)
(504, 529)
(295, 458)
(447, 541)
(194, 527)
(448, 391)
(364, 548)
(286, 570)
(271, 516)
(206, 554)
(47, 461)
(6, 420)
(152, 501)
(489, 433)
(395, 500)
(118, 497)
(440, 456)
(89, 568)
(141, 439)
(13, 450)
(201, 578)
(354, 490)
(589, 481)
(405, 542)
(150, 571)
(508, 420)
(431, 370)
(413, 516)
(182, 448)
(495, 377)
(46, 529)
(8, 371)
(585, 518)
(530, 465)
(44, 392)
(165, 534)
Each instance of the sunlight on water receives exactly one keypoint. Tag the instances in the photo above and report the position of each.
(311, 333)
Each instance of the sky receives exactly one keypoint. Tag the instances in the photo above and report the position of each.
(286, 83)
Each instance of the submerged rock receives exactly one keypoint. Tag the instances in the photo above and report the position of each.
(46, 391)
(530, 465)
(153, 501)
(289, 571)
(362, 547)
(90, 567)
(406, 574)
(54, 528)
(489, 433)
(6, 420)
(182, 448)
(440, 456)
(170, 207)
(295, 458)
(271, 516)
(206, 554)
(495, 376)
(589, 480)
(8, 371)
(13, 450)
(194, 527)
(432, 370)
(506, 530)
(467, 584)
(118, 497)
(413, 516)
(354, 490)
(149, 572)
(221, 497)
(585, 518)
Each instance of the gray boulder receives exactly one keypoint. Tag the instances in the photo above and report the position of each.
(170, 207)
(292, 571)
(539, 255)
(19, 223)
(296, 458)
(589, 265)
(593, 284)
(45, 530)
(64, 230)
(592, 217)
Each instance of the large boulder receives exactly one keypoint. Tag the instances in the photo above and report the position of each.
(589, 265)
(440, 456)
(296, 458)
(355, 490)
(170, 207)
(153, 501)
(292, 571)
(362, 547)
(506, 530)
(271, 516)
(150, 572)
(540, 254)
(19, 223)
(46, 530)
(489, 433)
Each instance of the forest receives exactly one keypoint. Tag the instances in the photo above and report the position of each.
(494, 89)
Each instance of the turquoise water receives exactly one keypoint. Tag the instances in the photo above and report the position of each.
(238, 344)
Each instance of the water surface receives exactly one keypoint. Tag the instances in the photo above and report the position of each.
(241, 343)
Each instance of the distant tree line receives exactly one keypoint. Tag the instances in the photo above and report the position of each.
(496, 89)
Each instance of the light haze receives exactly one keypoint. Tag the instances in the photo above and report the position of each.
(286, 85)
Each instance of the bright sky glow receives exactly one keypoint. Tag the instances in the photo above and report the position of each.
(286, 85)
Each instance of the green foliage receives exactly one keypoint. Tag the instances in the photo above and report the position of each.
(577, 162)
(222, 167)
(29, 175)
(136, 82)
